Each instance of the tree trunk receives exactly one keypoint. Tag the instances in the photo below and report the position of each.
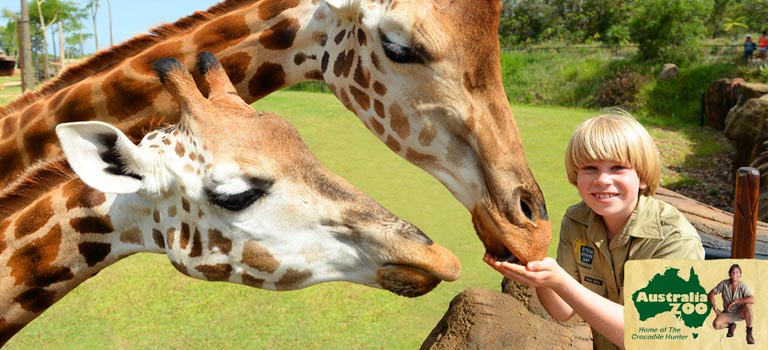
(25, 52)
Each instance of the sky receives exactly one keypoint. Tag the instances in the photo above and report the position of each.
(129, 17)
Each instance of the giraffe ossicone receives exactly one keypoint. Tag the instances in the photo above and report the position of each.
(256, 208)
(423, 76)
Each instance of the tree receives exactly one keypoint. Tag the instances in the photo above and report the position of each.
(93, 7)
(669, 30)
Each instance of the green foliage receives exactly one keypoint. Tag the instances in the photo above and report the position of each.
(678, 100)
(669, 30)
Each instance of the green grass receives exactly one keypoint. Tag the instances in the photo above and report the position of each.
(142, 302)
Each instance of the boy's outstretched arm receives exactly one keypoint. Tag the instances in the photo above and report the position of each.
(561, 296)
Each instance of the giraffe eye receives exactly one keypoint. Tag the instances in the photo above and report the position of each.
(236, 201)
(401, 54)
(240, 200)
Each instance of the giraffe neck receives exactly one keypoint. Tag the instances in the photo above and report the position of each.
(58, 241)
(258, 42)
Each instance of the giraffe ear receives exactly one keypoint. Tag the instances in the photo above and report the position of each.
(343, 7)
(102, 156)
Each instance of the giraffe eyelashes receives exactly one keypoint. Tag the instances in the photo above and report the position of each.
(239, 194)
(236, 201)
(402, 54)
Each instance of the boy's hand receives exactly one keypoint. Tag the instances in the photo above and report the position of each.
(544, 273)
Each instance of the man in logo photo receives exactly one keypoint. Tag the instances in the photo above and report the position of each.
(738, 303)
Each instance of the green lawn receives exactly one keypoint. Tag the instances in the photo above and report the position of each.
(142, 302)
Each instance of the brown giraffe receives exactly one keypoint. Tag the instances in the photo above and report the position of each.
(257, 210)
(423, 75)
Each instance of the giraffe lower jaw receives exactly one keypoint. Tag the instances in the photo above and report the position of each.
(405, 280)
(507, 256)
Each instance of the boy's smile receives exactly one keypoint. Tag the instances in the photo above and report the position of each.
(611, 189)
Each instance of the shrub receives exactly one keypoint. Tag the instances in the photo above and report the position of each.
(620, 90)
(668, 30)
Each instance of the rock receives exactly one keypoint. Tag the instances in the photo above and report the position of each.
(669, 71)
(720, 97)
(483, 319)
(745, 127)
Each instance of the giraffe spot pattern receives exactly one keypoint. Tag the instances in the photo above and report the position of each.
(185, 205)
(259, 258)
(393, 144)
(269, 9)
(292, 279)
(339, 36)
(427, 135)
(218, 272)
(38, 138)
(9, 127)
(399, 121)
(314, 75)
(184, 236)
(222, 33)
(362, 76)
(217, 240)
(252, 281)
(94, 252)
(324, 61)
(142, 64)
(81, 196)
(197, 245)
(179, 149)
(156, 216)
(181, 268)
(132, 236)
(11, 159)
(343, 64)
(77, 106)
(236, 65)
(380, 88)
(170, 236)
(362, 40)
(361, 98)
(34, 218)
(377, 127)
(157, 236)
(36, 300)
(269, 77)
(280, 36)
(8, 330)
(419, 158)
(172, 211)
(379, 108)
(33, 264)
(320, 38)
(128, 96)
(92, 224)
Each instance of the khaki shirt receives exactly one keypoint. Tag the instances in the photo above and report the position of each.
(724, 288)
(655, 230)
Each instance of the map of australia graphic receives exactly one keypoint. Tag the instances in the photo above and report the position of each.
(668, 292)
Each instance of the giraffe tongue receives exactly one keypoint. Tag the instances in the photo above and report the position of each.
(405, 280)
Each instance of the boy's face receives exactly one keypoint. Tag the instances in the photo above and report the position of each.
(611, 189)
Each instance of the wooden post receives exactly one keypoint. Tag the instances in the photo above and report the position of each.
(745, 213)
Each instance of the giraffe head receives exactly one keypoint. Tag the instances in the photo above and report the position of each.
(233, 195)
(425, 77)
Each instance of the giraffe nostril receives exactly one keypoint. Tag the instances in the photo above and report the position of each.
(526, 209)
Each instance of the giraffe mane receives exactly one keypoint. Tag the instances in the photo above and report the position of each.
(37, 180)
(109, 57)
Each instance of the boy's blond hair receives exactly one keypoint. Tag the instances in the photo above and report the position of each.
(617, 138)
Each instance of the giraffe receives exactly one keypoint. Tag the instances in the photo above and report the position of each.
(257, 210)
(422, 75)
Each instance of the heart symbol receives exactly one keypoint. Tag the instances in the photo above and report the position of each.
(695, 335)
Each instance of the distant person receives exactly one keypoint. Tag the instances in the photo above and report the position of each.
(749, 49)
(763, 47)
(614, 164)
(738, 303)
